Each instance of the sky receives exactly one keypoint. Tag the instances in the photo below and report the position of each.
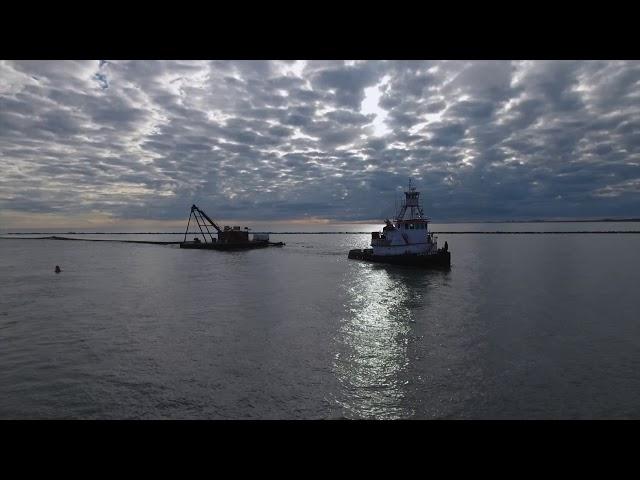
(135, 143)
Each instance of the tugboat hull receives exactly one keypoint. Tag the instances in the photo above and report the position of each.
(441, 260)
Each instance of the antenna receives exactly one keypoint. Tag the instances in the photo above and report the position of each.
(395, 205)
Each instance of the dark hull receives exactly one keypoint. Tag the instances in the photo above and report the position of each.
(229, 246)
(441, 259)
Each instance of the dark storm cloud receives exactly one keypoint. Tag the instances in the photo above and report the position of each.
(279, 140)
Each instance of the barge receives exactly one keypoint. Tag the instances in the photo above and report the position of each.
(227, 238)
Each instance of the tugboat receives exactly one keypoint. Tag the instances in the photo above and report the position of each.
(229, 238)
(407, 240)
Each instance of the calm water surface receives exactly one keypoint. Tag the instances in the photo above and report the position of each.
(526, 326)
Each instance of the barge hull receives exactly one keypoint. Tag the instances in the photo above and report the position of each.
(229, 246)
(442, 259)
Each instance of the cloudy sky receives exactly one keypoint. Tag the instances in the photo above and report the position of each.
(137, 142)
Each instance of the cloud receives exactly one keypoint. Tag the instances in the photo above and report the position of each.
(290, 140)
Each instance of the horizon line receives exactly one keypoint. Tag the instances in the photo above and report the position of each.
(598, 220)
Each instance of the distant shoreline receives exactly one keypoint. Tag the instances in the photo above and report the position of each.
(604, 220)
(485, 232)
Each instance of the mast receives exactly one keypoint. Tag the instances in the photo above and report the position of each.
(411, 202)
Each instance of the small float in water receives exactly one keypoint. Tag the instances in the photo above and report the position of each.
(227, 238)
(406, 240)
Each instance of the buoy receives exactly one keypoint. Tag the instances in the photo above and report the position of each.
(57, 269)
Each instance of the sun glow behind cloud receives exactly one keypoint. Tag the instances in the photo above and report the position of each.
(371, 105)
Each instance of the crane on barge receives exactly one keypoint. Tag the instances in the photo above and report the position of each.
(201, 219)
(228, 238)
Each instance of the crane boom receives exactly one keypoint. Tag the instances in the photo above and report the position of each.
(194, 207)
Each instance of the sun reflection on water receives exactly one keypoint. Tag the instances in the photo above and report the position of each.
(372, 341)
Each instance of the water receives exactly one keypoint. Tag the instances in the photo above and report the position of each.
(523, 326)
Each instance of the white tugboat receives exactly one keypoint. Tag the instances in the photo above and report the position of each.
(406, 240)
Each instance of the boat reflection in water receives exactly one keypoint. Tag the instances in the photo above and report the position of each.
(372, 359)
